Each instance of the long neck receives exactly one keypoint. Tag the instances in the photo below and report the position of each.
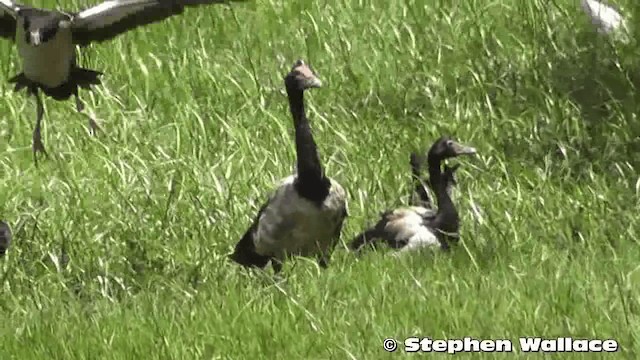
(447, 217)
(310, 173)
(449, 189)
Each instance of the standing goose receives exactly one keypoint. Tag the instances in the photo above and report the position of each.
(415, 227)
(5, 237)
(305, 214)
(46, 41)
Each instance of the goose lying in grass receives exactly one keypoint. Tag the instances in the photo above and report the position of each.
(5, 237)
(305, 214)
(405, 219)
(604, 17)
(47, 40)
(415, 227)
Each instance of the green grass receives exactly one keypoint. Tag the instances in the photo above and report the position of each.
(198, 131)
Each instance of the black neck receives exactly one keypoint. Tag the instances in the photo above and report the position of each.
(449, 189)
(447, 218)
(311, 180)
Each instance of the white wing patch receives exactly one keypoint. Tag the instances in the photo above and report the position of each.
(408, 227)
(421, 238)
(110, 12)
(293, 226)
(8, 7)
(604, 17)
(423, 212)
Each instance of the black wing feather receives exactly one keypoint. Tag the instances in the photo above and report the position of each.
(244, 252)
(8, 21)
(7, 27)
(165, 9)
(84, 37)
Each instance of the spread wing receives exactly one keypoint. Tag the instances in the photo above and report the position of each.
(8, 13)
(114, 17)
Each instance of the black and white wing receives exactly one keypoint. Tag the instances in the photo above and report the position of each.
(114, 17)
(8, 14)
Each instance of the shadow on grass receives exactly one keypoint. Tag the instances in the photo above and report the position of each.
(602, 80)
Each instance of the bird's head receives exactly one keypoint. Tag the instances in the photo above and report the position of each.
(302, 77)
(40, 29)
(445, 147)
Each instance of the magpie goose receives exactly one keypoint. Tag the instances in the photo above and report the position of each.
(414, 227)
(5, 237)
(46, 41)
(305, 213)
(411, 221)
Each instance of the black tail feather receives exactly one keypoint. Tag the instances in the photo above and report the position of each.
(78, 78)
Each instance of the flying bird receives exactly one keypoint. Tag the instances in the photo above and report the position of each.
(47, 40)
(606, 19)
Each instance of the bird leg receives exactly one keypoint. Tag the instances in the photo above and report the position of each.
(93, 125)
(37, 137)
